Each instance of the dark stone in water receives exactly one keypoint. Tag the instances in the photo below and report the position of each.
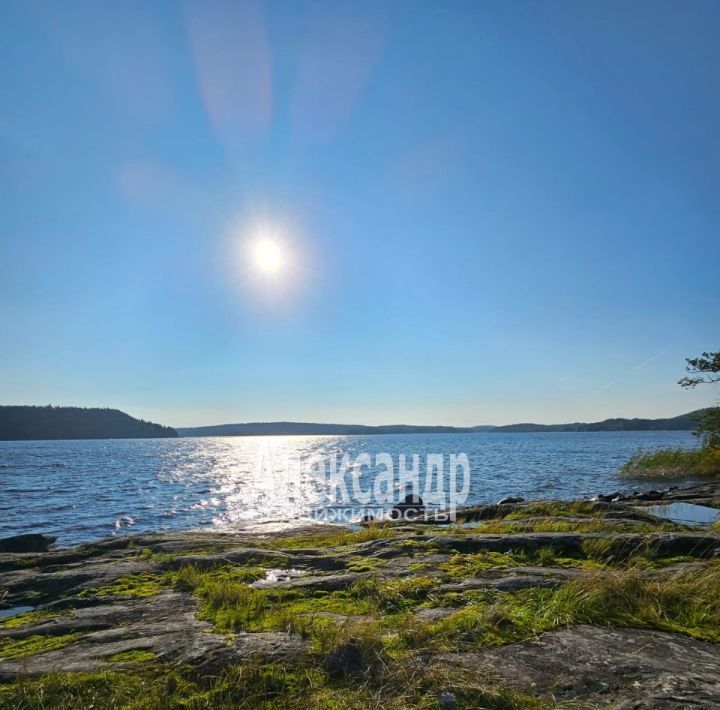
(411, 506)
(31, 542)
(510, 499)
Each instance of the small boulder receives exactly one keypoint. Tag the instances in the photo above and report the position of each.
(410, 507)
(447, 701)
(650, 495)
(606, 497)
(30, 542)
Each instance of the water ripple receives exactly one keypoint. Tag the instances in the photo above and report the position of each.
(82, 490)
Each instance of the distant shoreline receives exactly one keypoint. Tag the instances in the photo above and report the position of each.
(683, 422)
(244, 436)
(30, 423)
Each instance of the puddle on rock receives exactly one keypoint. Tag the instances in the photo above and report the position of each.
(687, 513)
(14, 611)
(275, 576)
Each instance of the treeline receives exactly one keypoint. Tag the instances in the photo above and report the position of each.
(684, 422)
(25, 422)
(309, 428)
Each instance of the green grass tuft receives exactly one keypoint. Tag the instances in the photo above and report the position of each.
(673, 463)
(30, 617)
(227, 600)
(393, 595)
(139, 586)
(15, 649)
(341, 538)
(685, 602)
(254, 686)
(133, 656)
(586, 525)
(551, 509)
(230, 604)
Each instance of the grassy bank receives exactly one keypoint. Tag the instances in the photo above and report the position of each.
(383, 638)
(390, 616)
(674, 463)
(624, 595)
(299, 684)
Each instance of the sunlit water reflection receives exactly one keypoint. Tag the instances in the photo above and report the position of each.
(83, 490)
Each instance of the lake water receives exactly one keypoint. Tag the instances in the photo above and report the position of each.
(84, 490)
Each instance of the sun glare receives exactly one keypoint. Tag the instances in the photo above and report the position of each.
(268, 256)
(266, 259)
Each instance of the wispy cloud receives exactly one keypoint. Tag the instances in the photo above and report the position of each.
(647, 362)
(632, 369)
(605, 387)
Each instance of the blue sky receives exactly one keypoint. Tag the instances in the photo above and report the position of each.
(488, 212)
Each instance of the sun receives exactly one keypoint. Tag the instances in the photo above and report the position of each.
(269, 257)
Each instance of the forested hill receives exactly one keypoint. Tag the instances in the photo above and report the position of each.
(305, 428)
(20, 422)
(683, 422)
(680, 423)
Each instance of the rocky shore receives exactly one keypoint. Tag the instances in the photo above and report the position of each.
(595, 603)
